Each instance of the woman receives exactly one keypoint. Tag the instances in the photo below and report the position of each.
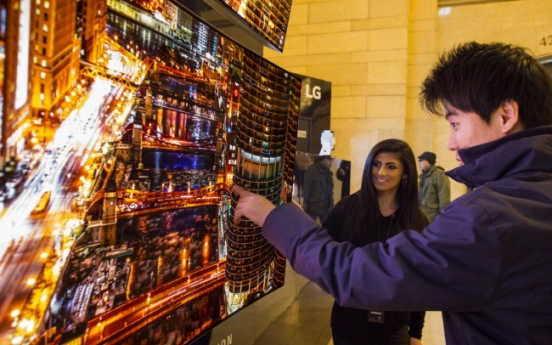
(385, 205)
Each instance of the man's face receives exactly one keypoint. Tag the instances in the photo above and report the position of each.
(423, 164)
(467, 129)
(327, 163)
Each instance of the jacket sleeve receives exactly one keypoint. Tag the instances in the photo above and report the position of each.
(452, 261)
(443, 188)
(416, 324)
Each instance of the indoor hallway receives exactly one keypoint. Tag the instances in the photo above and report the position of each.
(307, 322)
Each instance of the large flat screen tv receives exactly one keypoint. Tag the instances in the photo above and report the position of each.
(267, 19)
(117, 222)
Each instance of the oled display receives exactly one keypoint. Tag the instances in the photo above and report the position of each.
(267, 18)
(121, 209)
(2, 59)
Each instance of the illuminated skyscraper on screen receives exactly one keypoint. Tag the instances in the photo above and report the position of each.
(266, 124)
(55, 54)
(15, 26)
(90, 27)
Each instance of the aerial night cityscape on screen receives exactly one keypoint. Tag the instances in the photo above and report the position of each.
(124, 125)
(268, 18)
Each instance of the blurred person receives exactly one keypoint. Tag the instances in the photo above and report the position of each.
(302, 162)
(318, 189)
(344, 175)
(385, 205)
(486, 260)
(434, 192)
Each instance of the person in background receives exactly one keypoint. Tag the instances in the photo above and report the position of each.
(302, 162)
(318, 189)
(344, 175)
(434, 192)
(486, 260)
(385, 205)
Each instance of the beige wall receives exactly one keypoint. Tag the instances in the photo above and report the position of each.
(523, 23)
(372, 52)
(377, 52)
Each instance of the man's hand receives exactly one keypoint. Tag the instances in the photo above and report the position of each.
(252, 206)
(414, 341)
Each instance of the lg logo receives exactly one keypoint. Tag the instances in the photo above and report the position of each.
(316, 94)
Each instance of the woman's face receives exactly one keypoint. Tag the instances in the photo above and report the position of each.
(387, 172)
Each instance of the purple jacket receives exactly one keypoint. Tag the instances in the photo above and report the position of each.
(486, 260)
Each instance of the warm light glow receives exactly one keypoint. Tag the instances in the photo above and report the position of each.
(444, 11)
(17, 340)
(44, 255)
(31, 281)
(15, 313)
(30, 326)
(73, 222)
(56, 270)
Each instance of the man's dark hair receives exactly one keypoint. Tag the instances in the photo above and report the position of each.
(478, 78)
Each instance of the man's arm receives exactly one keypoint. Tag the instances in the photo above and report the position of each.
(307, 185)
(443, 190)
(447, 265)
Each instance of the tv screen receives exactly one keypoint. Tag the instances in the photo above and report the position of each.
(120, 210)
(3, 14)
(268, 19)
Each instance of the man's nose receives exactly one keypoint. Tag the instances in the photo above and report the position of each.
(452, 143)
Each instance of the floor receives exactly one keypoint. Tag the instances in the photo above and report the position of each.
(307, 322)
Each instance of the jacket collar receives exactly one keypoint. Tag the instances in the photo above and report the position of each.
(523, 151)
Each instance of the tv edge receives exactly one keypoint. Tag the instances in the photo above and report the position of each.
(267, 20)
(132, 196)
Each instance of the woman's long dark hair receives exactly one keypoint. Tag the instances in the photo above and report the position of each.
(366, 212)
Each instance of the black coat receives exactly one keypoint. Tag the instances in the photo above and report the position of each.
(352, 324)
(318, 189)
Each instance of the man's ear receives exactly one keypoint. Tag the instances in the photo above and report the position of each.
(509, 117)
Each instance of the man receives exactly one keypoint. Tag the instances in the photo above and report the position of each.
(434, 191)
(344, 175)
(302, 162)
(318, 189)
(486, 261)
